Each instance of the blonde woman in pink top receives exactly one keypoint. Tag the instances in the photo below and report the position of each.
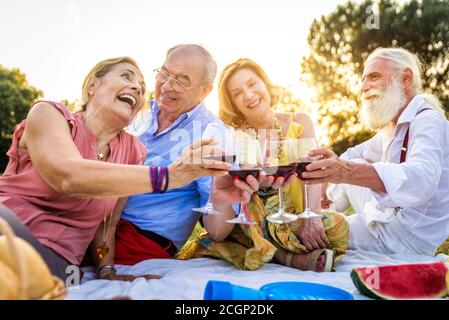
(67, 171)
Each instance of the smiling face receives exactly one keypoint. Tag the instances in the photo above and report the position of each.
(376, 77)
(382, 94)
(249, 94)
(188, 68)
(119, 93)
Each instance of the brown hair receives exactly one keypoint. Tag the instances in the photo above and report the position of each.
(100, 70)
(227, 111)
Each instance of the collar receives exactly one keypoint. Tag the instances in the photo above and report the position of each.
(194, 111)
(409, 113)
(183, 117)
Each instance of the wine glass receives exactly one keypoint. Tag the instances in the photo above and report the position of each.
(247, 162)
(279, 163)
(305, 145)
(223, 135)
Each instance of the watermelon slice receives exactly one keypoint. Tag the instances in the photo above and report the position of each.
(405, 281)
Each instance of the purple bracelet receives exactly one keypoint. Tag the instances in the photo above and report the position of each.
(166, 179)
(160, 179)
(157, 175)
(154, 179)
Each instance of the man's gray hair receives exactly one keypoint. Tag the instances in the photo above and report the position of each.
(403, 59)
(210, 66)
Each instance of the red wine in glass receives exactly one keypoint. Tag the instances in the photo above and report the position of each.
(301, 167)
(280, 171)
(241, 174)
(223, 158)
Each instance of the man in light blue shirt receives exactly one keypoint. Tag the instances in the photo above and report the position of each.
(170, 214)
(157, 225)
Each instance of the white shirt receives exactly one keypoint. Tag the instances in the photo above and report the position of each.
(418, 189)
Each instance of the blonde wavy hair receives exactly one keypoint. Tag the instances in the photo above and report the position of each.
(227, 111)
(100, 70)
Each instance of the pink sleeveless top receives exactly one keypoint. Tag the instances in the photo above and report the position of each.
(63, 223)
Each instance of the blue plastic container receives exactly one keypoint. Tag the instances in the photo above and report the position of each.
(304, 291)
(222, 290)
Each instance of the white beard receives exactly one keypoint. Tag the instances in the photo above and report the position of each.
(378, 112)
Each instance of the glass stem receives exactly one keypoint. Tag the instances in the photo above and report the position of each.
(306, 197)
(280, 201)
(212, 184)
(241, 215)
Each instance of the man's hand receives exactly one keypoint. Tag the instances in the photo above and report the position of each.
(329, 169)
(333, 169)
(312, 235)
(195, 162)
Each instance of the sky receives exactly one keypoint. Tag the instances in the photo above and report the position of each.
(56, 42)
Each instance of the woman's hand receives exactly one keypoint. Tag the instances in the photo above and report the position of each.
(228, 190)
(312, 235)
(267, 181)
(194, 163)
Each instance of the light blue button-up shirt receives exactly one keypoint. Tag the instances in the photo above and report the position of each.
(170, 214)
(419, 187)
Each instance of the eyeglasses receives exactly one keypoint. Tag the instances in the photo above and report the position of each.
(163, 76)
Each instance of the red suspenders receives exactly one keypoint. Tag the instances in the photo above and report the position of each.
(405, 144)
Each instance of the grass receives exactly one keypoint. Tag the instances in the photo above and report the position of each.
(444, 248)
(350, 211)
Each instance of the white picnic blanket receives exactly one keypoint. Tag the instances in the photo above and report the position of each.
(186, 280)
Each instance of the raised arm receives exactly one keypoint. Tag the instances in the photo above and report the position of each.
(55, 156)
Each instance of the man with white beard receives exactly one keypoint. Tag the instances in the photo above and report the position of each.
(397, 181)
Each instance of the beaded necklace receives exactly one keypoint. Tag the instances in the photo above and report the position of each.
(252, 131)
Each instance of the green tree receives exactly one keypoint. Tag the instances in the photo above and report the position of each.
(341, 41)
(16, 97)
(71, 105)
(288, 102)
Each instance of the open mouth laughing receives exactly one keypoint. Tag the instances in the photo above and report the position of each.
(129, 99)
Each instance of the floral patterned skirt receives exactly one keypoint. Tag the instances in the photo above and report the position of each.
(248, 247)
